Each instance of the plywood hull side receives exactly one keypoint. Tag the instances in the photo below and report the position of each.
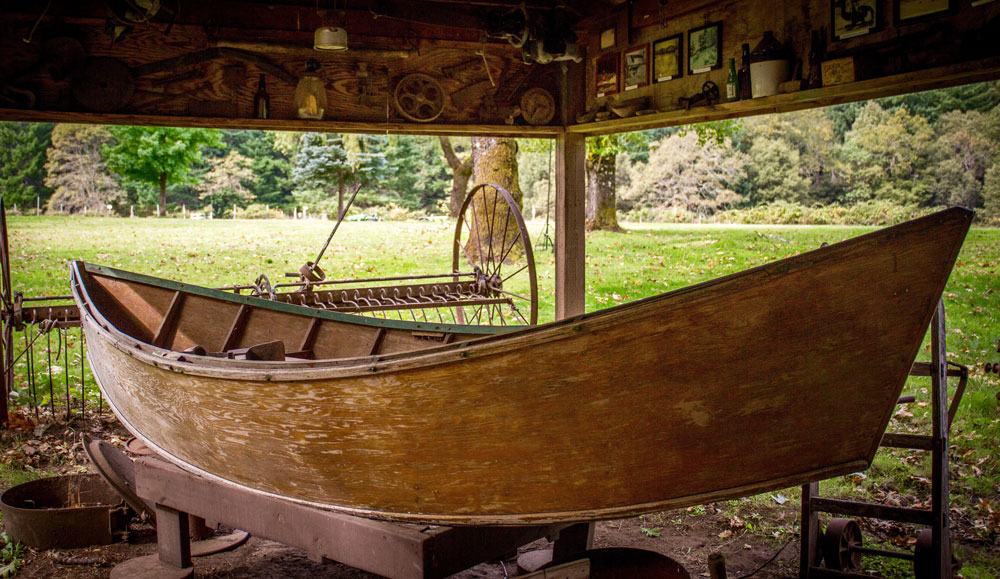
(769, 378)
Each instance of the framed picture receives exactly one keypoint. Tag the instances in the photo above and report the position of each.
(608, 38)
(851, 18)
(668, 60)
(705, 48)
(635, 67)
(909, 11)
(606, 68)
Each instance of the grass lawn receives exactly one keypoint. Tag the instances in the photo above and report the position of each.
(647, 260)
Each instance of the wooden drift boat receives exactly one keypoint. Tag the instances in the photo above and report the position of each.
(764, 379)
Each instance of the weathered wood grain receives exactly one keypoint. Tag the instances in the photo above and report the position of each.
(764, 379)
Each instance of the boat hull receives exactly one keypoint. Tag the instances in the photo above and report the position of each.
(765, 379)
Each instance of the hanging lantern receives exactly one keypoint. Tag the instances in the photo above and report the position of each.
(310, 94)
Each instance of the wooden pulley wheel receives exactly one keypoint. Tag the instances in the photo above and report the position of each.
(103, 85)
(537, 106)
(419, 98)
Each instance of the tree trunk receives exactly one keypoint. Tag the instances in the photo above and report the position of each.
(163, 194)
(461, 170)
(601, 213)
(494, 161)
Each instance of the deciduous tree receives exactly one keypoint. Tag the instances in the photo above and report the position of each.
(888, 153)
(681, 174)
(157, 155)
(75, 169)
(227, 181)
(461, 170)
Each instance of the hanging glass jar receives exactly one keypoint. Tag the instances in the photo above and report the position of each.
(310, 94)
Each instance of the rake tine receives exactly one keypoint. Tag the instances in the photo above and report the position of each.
(52, 396)
(29, 349)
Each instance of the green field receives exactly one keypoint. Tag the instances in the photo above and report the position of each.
(647, 260)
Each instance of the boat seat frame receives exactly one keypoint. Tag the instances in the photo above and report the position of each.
(933, 559)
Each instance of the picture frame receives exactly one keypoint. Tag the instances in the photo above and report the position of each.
(668, 58)
(853, 18)
(910, 11)
(608, 38)
(607, 73)
(705, 48)
(635, 68)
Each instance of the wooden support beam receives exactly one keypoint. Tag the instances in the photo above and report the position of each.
(331, 126)
(397, 551)
(573, 540)
(379, 338)
(570, 237)
(237, 327)
(310, 337)
(173, 537)
(168, 324)
(930, 79)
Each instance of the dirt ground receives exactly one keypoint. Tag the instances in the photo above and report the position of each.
(260, 558)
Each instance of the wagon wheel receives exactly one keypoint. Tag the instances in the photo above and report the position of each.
(840, 536)
(492, 240)
(419, 98)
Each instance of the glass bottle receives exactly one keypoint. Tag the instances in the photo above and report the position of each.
(261, 100)
(310, 94)
(732, 83)
(743, 76)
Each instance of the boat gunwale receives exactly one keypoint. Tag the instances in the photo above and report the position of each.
(302, 369)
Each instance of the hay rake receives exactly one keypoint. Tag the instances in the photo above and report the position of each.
(492, 282)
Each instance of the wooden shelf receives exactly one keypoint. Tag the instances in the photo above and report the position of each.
(331, 126)
(933, 78)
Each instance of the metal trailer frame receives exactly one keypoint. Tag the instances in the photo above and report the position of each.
(932, 556)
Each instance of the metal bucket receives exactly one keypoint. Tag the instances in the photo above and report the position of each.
(63, 512)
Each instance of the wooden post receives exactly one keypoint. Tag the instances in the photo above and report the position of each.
(172, 537)
(570, 238)
(573, 540)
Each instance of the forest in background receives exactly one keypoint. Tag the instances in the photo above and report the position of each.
(868, 162)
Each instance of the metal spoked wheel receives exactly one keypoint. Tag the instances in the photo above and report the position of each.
(840, 536)
(492, 240)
